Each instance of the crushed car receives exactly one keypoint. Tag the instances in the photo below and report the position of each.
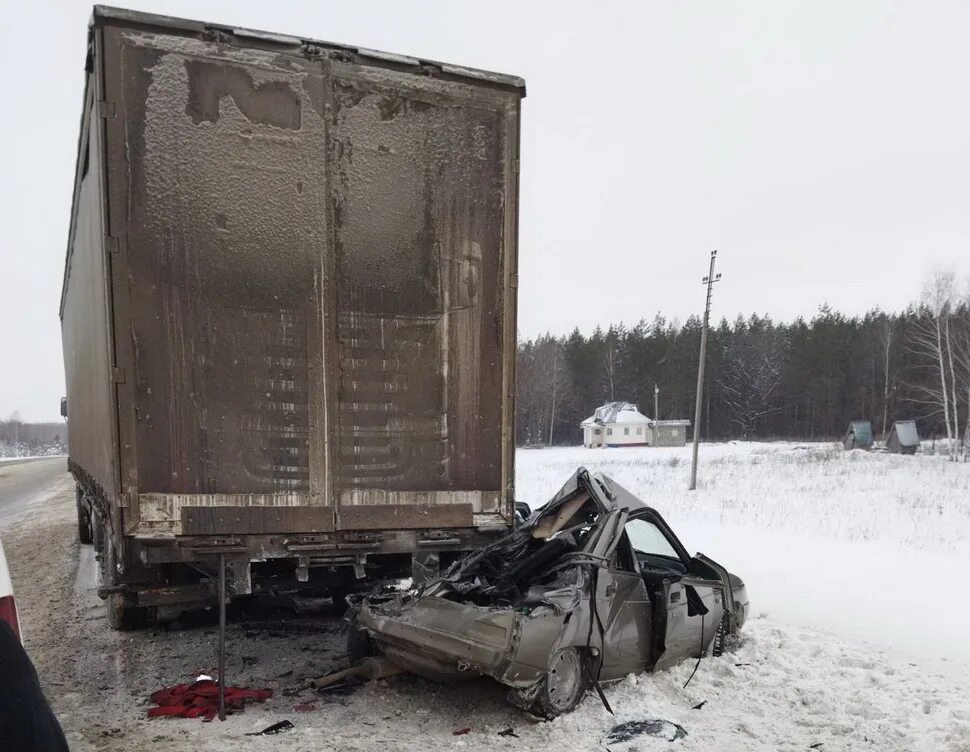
(591, 587)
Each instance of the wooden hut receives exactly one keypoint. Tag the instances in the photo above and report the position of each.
(858, 435)
(903, 438)
(668, 433)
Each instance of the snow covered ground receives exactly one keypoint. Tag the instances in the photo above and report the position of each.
(854, 563)
(867, 545)
(31, 457)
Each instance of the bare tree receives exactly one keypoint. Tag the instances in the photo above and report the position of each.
(552, 402)
(15, 422)
(961, 354)
(528, 396)
(886, 333)
(932, 341)
(609, 365)
(543, 388)
(556, 379)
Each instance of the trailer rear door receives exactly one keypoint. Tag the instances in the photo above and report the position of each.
(312, 289)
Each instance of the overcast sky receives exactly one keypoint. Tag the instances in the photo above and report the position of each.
(823, 148)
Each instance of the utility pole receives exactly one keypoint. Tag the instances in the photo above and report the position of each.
(708, 281)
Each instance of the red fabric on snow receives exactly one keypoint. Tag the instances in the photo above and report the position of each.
(201, 698)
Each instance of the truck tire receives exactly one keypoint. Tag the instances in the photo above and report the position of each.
(84, 532)
(338, 602)
(124, 616)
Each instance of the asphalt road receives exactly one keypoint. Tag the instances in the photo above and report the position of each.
(28, 482)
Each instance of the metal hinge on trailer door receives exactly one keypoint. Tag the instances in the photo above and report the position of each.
(106, 109)
(117, 375)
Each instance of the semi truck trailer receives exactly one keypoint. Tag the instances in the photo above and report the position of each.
(288, 312)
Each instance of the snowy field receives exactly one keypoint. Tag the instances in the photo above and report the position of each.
(854, 563)
(868, 545)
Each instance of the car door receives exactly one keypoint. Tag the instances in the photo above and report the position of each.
(624, 608)
(623, 611)
(686, 620)
(690, 606)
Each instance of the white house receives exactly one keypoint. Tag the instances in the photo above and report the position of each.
(616, 424)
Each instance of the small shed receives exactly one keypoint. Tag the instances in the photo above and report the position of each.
(903, 438)
(858, 435)
(668, 433)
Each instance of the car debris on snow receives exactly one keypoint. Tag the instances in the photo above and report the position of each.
(276, 728)
(621, 736)
(590, 588)
(367, 669)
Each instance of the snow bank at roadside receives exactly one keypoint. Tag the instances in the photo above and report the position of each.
(32, 457)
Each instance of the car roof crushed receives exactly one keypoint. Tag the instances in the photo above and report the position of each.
(545, 562)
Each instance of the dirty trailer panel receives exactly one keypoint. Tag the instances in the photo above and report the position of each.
(312, 285)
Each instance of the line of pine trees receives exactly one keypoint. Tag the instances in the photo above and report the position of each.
(804, 380)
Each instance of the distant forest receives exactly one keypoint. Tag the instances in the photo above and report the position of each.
(805, 379)
(24, 439)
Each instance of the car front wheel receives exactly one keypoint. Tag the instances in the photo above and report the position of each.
(565, 684)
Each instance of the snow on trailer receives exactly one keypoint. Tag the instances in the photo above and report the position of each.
(288, 311)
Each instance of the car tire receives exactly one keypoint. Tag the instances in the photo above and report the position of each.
(124, 616)
(84, 532)
(359, 644)
(564, 685)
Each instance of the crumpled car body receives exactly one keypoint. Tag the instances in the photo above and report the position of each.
(591, 587)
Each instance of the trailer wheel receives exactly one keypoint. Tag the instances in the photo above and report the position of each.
(125, 616)
(338, 602)
(84, 533)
